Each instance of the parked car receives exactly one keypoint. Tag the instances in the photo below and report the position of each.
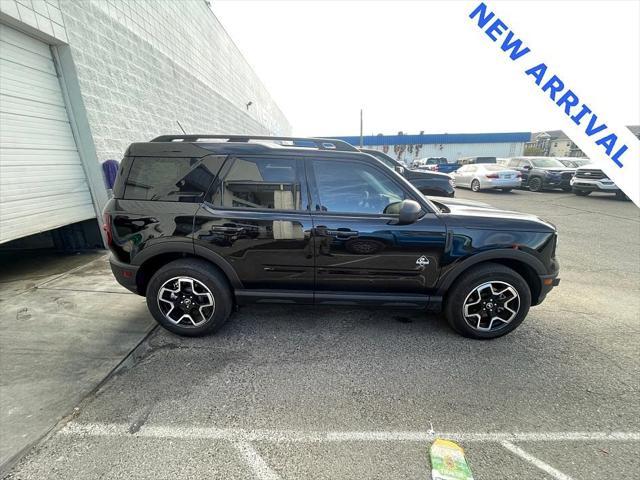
(428, 182)
(439, 164)
(574, 162)
(590, 178)
(199, 224)
(539, 173)
(487, 176)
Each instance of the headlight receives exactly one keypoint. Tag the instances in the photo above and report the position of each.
(452, 182)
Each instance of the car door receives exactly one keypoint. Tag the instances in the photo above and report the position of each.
(359, 245)
(462, 176)
(256, 217)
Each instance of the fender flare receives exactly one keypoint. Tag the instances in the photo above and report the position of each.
(188, 248)
(445, 281)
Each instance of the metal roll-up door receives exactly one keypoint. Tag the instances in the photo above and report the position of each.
(42, 182)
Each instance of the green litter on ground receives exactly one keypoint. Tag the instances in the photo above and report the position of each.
(448, 462)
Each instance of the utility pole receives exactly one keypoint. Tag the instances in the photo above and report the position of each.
(361, 145)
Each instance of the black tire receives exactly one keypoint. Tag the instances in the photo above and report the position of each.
(210, 319)
(621, 196)
(535, 184)
(464, 288)
(581, 193)
(475, 185)
(506, 190)
(566, 189)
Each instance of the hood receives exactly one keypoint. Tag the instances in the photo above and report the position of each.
(457, 202)
(557, 169)
(476, 215)
(590, 166)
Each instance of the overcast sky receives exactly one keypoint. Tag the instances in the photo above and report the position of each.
(424, 65)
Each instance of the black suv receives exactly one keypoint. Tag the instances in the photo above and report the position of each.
(201, 223)
(428, 183)
(539, 173)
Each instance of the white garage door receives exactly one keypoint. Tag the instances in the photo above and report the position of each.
(42, 182)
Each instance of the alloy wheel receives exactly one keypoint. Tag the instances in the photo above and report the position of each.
(491, 306)
(186, 302)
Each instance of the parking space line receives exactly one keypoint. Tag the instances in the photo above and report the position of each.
(260, 468)
(297, 436)
(545, 467)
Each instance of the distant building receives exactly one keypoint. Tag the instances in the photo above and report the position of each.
(452, 146)
(554, 143)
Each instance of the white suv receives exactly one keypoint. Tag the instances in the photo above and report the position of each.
(590, 178)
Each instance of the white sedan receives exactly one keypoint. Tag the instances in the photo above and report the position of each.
(481, 176)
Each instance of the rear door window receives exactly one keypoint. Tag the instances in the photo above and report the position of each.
(265, 183)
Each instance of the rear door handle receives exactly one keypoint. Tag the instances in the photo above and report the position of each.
(342, 233)
(223, 229)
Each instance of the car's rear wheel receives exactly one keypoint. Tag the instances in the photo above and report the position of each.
(506, 190)
(189, 297)
(566, 189)
(475, 185)
(581, 193)
(535, 184)
(488, 301)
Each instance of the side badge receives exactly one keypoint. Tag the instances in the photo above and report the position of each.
(422, 261)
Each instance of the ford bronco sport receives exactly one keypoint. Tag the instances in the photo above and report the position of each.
(202, 223)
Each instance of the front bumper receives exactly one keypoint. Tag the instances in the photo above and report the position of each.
(594, 185)
(547, 283)
(125, 274)
(556, 182)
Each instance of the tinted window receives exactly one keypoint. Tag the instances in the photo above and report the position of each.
(176, 179)
(264, 183)
(546, 163)
(354, 187)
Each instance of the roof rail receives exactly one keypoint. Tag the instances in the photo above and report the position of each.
(319, 143)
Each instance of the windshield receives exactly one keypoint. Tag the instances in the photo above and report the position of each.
(546, 163)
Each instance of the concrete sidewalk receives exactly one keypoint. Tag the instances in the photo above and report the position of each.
(65, 325)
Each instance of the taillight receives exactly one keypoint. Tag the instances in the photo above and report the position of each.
(518, 175)
(106, 226)
(436, 168)
(492, 175)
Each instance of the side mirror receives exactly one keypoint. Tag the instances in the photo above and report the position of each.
(410, 211)
(399, 169)
(527, 167)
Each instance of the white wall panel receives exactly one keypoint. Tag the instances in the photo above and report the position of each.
(42, 182)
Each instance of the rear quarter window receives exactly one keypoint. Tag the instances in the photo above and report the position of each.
(177, 179)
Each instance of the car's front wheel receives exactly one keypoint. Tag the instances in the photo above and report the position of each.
(488, 301)
(189, 297)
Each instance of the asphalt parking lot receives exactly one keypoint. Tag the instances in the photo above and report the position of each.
(335, 393)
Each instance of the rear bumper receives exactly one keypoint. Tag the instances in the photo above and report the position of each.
(125, 274)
